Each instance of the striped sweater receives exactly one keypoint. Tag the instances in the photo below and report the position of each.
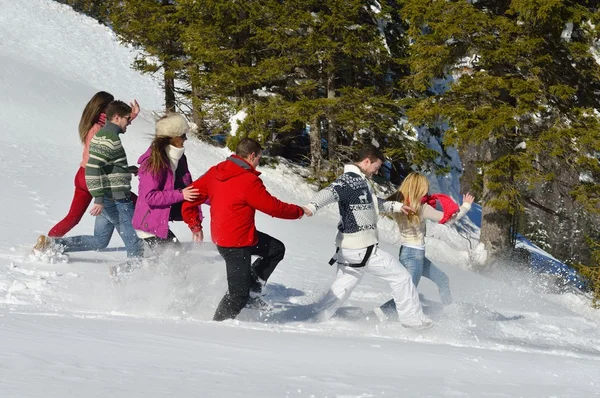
(107, 171)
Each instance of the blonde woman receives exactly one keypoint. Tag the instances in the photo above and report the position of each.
(414, 190)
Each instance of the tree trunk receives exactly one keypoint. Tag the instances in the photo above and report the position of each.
(495, 228)
(197, 106)
(332, 138)
(495, 223)
(315, 145)
(169, 80)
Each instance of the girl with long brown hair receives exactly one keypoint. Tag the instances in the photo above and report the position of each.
(164, 178)
(92, 120)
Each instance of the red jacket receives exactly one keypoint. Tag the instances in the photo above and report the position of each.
(449, 206)
(235, 193)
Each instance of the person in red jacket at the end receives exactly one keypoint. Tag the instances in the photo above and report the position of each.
(235, 193)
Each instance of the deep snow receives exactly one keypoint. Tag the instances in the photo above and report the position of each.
(66, 330)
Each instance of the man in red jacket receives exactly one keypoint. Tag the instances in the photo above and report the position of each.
(235, 193)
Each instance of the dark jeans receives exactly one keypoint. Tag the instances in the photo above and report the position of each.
(241, 273)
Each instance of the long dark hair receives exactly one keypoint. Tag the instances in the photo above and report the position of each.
(92, 111)
(158, 161)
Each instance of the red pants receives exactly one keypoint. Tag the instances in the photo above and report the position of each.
(80, 203)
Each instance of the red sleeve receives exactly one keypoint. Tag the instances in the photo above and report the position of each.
(190, 210)
(259, 198)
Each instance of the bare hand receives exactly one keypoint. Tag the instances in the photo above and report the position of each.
(307, 211)
(406, 209)
(190, 193)
(197, 237)
(96, 209)
(468, 198)
(135, 109)
(133, 170)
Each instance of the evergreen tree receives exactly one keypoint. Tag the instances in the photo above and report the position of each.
(155, 26)
(525, 93)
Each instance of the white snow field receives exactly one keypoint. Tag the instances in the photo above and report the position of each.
(67, 331)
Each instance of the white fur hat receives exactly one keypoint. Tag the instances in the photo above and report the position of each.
(173, 125)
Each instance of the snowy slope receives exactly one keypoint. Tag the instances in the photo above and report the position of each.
(65, 330)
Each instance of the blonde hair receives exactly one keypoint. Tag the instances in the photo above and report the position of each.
(413, 188)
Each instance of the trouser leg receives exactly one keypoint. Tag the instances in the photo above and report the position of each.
(237, 263)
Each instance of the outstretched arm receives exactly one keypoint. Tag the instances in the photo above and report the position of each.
(260, 199)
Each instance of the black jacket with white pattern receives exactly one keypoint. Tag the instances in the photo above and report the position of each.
(359, 208)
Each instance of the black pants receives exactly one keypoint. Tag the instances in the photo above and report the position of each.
(240, 272)
(157, 243)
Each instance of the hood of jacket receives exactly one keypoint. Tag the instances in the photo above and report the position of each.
(232, 167)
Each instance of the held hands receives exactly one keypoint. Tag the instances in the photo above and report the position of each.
(307, 211)
(135, 109)
(96, 209)
(468, 198)
(133, 170)
(197, 237)
(190, 193)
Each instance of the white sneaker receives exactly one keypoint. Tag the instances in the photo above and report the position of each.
(421, 324)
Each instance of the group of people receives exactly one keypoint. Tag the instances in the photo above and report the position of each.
(235, 192)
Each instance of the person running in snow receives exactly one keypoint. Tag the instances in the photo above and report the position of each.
(236, 192)
(92, 120)
(357, 241)
(413, 191)
(164, 179)
(108, 179)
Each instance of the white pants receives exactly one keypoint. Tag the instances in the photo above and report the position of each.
(381, 265)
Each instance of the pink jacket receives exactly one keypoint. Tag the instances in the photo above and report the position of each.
(157, 195)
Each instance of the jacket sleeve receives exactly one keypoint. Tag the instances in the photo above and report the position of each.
(388, 206)
(156, 195)
(327, 196)
(260, 199)
(95, 176)
(190, 211)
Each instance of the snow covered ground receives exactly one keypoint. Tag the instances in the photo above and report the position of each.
(66, 330)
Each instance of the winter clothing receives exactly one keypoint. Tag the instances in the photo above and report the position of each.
(235, 193)
(241, 275)
(79, 204)
(158, 193)
(382, 265)
(174, 125)
(107, 172)
(358, 207)
(412, 238)
(449, 206)
(88, 139)
(115, 214)
(357, 231)
(82, 197)
(418, 265)
(413, 235)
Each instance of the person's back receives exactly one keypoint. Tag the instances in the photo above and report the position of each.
(235, 193)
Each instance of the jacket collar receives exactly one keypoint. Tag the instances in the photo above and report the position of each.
(352, 168)
(242, 163)
(112, 128)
